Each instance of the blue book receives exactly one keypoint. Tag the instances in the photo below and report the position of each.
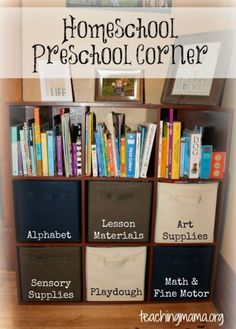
(118, 156)
(205, 164)
(182, 156)
(100, 129)
(143, 130)
(130, 154)
(186, 157)
(99, 154)
(50, 148)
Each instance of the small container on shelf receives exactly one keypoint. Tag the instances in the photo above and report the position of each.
(47, 210)
(181, 273)
(119, 211)
(115, 274)
(50, 274)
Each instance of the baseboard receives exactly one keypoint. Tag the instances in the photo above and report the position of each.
(225, 292)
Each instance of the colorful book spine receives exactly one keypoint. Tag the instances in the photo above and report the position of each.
(99, 154)
(14, 153)
(143, 136)
(22, 144)
(186, 156)
(110, 156)
(37, 135)
(59, 156)
(167, 144)
(130, 154)
(205, 164)
(111, 129)
(19, 156)
(160, 148)
(94, 161)
(148, 149)
(32, 152)
(182, 155)
(218, 165)
(102, 147)
(163, 157)
(27, 151)
(106, 154)
(118, 156)
(137, 155)
(123, 157)
(50, 151)
(195, 155)
(170, 150)
(44, 154)
(74, 159)
(175, 172)
(79, 154)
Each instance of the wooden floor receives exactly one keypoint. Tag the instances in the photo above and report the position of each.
(14, 316)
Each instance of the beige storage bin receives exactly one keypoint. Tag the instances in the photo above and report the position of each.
(115, 274)
(186, 212)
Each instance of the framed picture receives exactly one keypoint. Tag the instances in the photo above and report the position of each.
(119, 86)
(55, 82)
(198, 84)
(104, 3)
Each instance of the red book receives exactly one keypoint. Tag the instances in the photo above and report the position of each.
(218, 165)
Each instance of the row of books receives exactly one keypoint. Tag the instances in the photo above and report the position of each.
(47, 147)
(182, 153)
(113, 149)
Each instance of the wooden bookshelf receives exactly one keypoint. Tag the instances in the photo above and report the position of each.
(207, 116)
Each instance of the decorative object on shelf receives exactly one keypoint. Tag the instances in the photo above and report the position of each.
(202, 84)
(119, 86)
(55, 82)
(104, 3)
(157, 3)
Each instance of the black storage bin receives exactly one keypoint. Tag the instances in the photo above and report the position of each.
(50, 274)
(181, 273)
(119, 211)
(47, 210)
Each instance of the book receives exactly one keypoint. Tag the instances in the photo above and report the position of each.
(194, 154)
(151, 131)
(110, 156)
(182, 156)
(100, 129)
(175, 169)
(170, 145)
(37, 136)
(94, 161)
(130, 154)
(50, 152)
(137, 155)
(32, 151)
(163, 157)
(160, 148)
(27, 151)
(111, 129)
(14, 152)
(44, 154)
(218, 165)
(66, 143)
(186, 156)
(99, 154)
(23, 154)
(123, 157)
(205, 164)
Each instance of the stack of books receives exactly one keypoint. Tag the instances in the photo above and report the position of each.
(114, 150)
(48, 147)
(182, 155)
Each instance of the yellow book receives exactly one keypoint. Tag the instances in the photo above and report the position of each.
(163, 157)
(122, 157)
(175, 170)
(44, 154)
(37, 141)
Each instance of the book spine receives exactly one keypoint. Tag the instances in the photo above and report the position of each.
(19, 156)
(118, 157)
(94, 161)
(99, 154)
(218, 165)
(79, 155)
(59, 155)
(148, 149)
(106, 154)
(44, 154)
(163, 157)
(186, 156)
(160, 149)
(137, 155)
(14, 153)
(110, 157)
(195, 155)
(182, 154)
(102, 147)
(86, 142)
(38, 142)
(27, 151)
(74, 159)
(143, 136)
(175, 172)
(22, 144)
(205, 164)
(32, 152)
(130, 154)
(167, 150)
(50, 151)
(170, 150)
(123, 158)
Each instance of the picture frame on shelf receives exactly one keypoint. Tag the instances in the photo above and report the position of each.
(203, 87)
(55, 82)
(119, 86)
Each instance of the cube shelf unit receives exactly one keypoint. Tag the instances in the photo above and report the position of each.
(219, 119)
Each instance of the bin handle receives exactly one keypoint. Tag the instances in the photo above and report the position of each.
(187, 199)
(109, 262)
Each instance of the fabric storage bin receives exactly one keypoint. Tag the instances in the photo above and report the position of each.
(119, 211)
(115, 274)
(47, 210)
(50, 274)
(181, 272)
(185, 212)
